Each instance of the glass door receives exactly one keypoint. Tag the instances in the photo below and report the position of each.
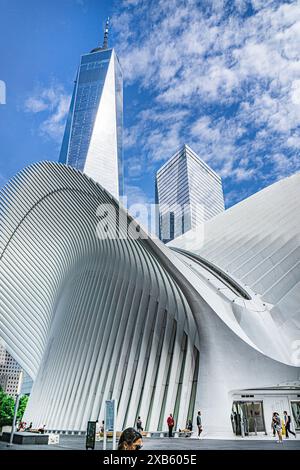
(296, 414)
(247, 417)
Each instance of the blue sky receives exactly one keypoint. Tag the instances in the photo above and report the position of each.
(222, 76)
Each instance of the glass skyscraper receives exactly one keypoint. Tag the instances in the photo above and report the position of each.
(188, 193)
(92, 141)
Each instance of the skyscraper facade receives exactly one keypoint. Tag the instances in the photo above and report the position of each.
(92, 141)
(10, 372)
(188, 193)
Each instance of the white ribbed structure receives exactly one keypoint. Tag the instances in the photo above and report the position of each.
(90, 319)
(258, 242)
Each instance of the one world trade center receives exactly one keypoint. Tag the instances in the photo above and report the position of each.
(92, 141)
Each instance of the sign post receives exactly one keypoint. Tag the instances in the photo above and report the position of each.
(110, 422)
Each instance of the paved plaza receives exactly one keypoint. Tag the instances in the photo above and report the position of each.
(78, 443)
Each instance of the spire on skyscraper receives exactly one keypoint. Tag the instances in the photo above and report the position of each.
(105, 40)
(92, 140)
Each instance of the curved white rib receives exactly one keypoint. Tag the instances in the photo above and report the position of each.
(88, 318)
(92, 318)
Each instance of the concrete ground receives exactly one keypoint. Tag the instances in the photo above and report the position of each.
(78, 443)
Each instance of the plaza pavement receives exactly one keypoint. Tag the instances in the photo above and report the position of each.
(78, 443)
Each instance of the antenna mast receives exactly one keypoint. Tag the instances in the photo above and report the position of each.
(105, 40)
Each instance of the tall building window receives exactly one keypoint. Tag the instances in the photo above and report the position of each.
(188, 193)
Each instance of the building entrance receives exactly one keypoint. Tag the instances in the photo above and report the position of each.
(296, 414)
(247, 418)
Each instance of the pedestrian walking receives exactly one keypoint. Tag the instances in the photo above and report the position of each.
(287, 424)
(170, 423)
(273, 425)
(278, 427)
(100, 431)
(199, 424)
(139, 424)
(102, 427)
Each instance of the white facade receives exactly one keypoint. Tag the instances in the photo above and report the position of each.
(257, 242)
(161, 330)
(102, 158)
(188, 192)
(265, 402)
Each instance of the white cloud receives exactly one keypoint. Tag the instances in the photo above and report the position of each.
(234, 77)
(135, 166)
(295, 92)
(135, 195)
(283, 165)
(35, 105)
(52, 105)
(204, 130)
(130, 136)
(130, 2)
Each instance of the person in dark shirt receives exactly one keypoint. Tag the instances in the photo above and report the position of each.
(287, 424)
(189, 425)
(139, 424)
(199, 424)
